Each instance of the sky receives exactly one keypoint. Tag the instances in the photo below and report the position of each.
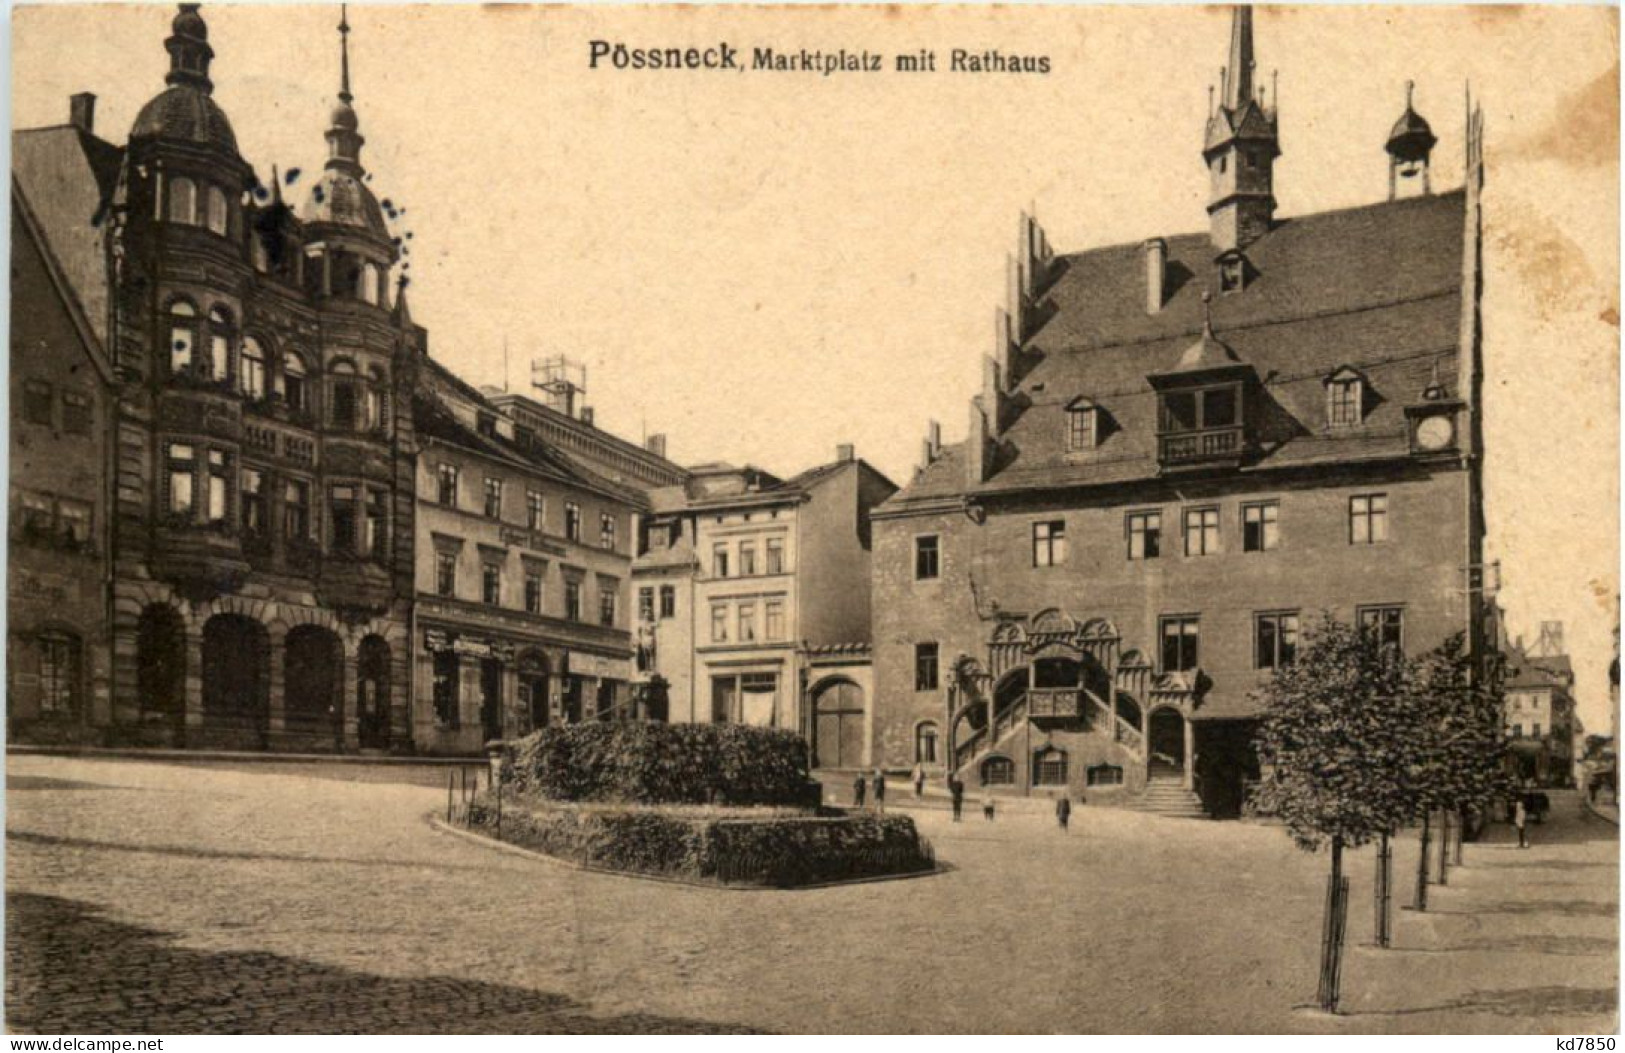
(764, 265)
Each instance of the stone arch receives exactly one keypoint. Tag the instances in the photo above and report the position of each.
(312, 678)
(160, 635)
(839, 713)
(236, 668)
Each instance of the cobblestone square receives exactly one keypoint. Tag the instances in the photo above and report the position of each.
(150, 897)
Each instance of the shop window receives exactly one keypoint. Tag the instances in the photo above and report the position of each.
(447, 684)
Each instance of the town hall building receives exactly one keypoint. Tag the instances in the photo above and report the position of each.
(1184, 450)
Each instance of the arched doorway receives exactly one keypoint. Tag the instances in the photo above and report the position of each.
(1167, 744)
(311, 684)
(838, 711)
(372, 695)
(533, 688)
(236, 654)
(160, 644)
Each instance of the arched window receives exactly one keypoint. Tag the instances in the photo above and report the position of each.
(368, 283)
(220, 334)
(182, 200)
(253, 369)
(925, 743)
(217, 210)
(998, 771)
(1049, 767)
(344, 396)
(295, 391)
(378, 401)
(182, 337)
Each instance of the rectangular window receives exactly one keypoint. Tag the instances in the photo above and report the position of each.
(719, 623)
(448, 485)
(1049, 543)
(1387, 624)
(719, 561)
(1181, 637)
(296, 510)
(775, 620)
(1080, 428)
(533, 592)
(37, 516)
(1259, 527)
(344, 406)
(376, 419)
(493, 498)
(1275, 639)
(925, 667)
(1368, 519)
(927, 558)
(646, 604)
(73, 521)
(606, 532)
(747, 559)
(253, 501)
(572, 600)
(535, 510)
(747, 622)
(377, 516)
(341, 518)
(182, 471)
(606, 603)
(1534, 730)
(445, 574)
(180, 350)
(491, 584)
(37, 402)
(59, 672)
(572, 521)
(1517, 731)
(1144, 535)
(219, 486)
(775, 555)
(1343, 403)
(1201, 531)
(668, 601)
(75, 413)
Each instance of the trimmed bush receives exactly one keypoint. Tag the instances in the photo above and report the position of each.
(649, 763)
(780, 852)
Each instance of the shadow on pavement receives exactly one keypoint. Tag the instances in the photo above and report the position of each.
(68, 969)
(30, 838)
(1523, 1002)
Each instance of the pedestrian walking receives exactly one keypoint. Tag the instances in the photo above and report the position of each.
(858, 786)
(956, 791)
(919, 780)
(987, 805)
(1063, 811)
(1520, 819)
(879, 786)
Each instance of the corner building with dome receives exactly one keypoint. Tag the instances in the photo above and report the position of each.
(1184, 450)
(260, 504)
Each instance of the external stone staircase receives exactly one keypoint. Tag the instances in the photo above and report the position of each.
(1168, 797)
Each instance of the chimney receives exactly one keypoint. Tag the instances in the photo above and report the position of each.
(656, 444)
(1156, 274)
(933, 437)
(845, 453)
(82, 112)
(586, 415)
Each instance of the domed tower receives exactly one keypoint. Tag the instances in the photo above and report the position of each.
(350, 250)
(1410, 150)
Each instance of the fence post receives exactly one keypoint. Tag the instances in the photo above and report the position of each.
(1384, 896)
(451, 785)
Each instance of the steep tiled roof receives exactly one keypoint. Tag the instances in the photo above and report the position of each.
(68, 177)
(187, 114)
(1375, 288)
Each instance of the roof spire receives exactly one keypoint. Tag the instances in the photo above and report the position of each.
(189, 50)
(1239, 88)
(343, 134)
(344, 53)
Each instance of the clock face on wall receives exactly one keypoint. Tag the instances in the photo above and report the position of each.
(1435, 433)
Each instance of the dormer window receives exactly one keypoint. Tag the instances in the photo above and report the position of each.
(1082, 425)
(1345, 399)
(1232, 272)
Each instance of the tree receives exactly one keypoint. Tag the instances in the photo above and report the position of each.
(1461, 757)
(1337, 741)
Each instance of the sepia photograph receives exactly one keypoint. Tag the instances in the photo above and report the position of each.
(813, 519)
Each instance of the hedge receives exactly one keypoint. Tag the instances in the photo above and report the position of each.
(650, 763)
(779, 852)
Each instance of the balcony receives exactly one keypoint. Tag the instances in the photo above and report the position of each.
(355, 583)
(201, 559)
(1202, 448)
(1055, 703)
